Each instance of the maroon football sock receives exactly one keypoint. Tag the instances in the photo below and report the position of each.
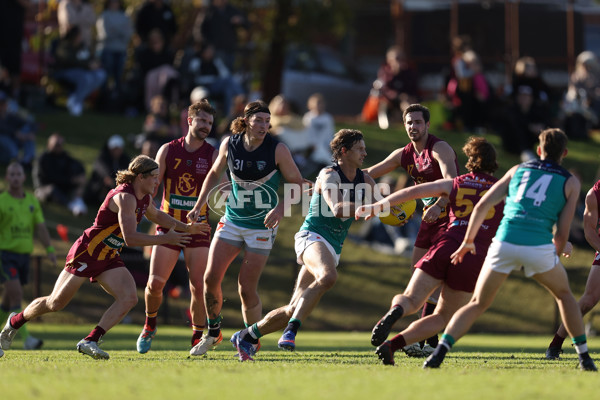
(95, 334)
(18, 320)
(557, 341)
(397, 342)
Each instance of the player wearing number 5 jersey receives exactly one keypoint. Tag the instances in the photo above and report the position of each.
(434, 268)
(539, 194)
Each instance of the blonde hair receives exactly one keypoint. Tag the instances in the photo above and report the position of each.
(140, 165)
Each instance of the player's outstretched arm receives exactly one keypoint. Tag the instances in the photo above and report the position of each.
(431, 189)
(212, 179)
(125, 204)
(493, 196)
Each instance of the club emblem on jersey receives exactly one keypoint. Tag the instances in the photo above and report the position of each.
(185, 183)
(188, 163)
(261, 165)
(248, 164)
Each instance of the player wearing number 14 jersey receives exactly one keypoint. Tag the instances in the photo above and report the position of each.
(434, 268)
(539, 194)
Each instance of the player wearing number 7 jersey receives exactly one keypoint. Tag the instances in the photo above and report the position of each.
(434, 268)
(539, 194)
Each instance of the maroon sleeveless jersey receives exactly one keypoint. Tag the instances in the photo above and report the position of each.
(104, 240)
(423, 167)
(466, 192)
(184, 174)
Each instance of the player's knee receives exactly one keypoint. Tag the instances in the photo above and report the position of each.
(247, 294)
(129, 301)
(55, 305)
(586, 303)
(155, 287)
(327, 281)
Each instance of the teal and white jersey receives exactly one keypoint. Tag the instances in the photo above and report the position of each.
(536, 197)
(320, 217)
(255, 179)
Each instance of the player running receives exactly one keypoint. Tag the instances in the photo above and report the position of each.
(182, 165)
(95, 254)
(434, 268)
(318, 244)
(539, 194)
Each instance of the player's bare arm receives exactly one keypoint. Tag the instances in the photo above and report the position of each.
(44, 237)
(590, 220)
(563, 225)
(163, 219)
(212, 179)
(441, 187)
(291, 174)
(493, 196)
(386, 166)
(443, 153)
(124, 204)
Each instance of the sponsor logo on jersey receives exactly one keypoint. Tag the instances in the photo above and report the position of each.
(114, 242)
(186, 203)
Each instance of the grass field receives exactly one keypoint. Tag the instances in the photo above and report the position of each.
(327, 365)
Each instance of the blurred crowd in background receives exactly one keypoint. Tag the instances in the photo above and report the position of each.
(143, 60)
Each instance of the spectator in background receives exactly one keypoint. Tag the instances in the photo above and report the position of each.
(581, 107)
(114, 31)
(201, 67)
(397, 83)
(155, 14)
(20, 218)
(78, 13)
(154, 64)
(16, 134)
(468, 91)
(60, 178)
(526, 74)
(74, 64)
(158, 123)
(12, 24)
(219, 26)
(322, 126)
(288, 128)
(524, 121)
(112, 158)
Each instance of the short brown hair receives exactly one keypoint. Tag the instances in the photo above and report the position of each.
(344, 138)
(140, 165)
(481, 154)
(553, 143)
(198, 107)
(417, 108)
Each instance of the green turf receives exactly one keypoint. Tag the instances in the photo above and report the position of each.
(327, 365)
